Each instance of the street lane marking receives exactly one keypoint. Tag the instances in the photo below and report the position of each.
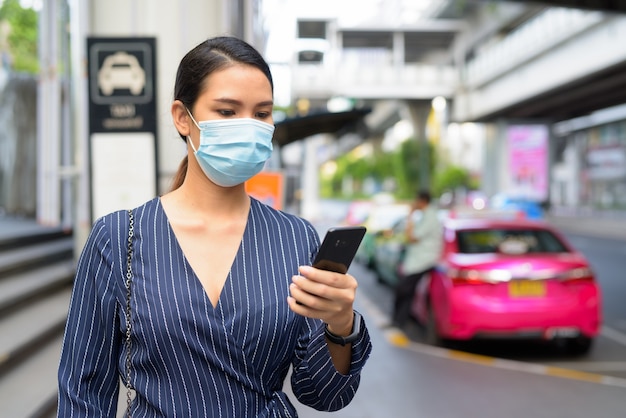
(576, 375)
(613, 334)
(471, 357)
(398, 338)
(512, 365)
(593, 366)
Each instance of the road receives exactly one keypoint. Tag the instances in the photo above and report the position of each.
(608, 259)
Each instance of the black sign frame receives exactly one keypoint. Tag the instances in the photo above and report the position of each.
(122, 90)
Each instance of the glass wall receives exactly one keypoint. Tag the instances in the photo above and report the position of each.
(594, 159)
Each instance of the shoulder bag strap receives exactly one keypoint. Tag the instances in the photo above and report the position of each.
(127, 282)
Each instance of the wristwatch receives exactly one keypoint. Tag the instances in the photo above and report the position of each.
(354, 335)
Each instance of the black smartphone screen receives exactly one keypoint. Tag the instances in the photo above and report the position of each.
(339, 248)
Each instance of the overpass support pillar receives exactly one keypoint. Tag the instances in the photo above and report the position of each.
(419, 111)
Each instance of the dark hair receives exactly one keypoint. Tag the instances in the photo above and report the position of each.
(424, 195)
(207, 57)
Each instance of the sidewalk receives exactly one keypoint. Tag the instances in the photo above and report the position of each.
(594, 224)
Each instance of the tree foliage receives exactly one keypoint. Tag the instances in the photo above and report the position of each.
(409, 169)
(22, 36)
(401, 168)
(452, 178)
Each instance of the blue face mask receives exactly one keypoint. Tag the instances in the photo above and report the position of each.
(231, 151)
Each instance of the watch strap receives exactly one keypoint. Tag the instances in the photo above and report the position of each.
(354, 335)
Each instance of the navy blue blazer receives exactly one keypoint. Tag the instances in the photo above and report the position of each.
(190, 359)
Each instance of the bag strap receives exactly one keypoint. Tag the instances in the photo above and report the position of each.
(128, 282)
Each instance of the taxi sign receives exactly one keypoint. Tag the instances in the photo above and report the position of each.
(122, 84)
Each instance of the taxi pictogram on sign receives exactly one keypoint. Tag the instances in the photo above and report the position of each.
(121, 71)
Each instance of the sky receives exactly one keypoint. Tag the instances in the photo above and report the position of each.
(33, 4)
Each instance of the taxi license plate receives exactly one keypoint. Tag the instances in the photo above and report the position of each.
(526, 288)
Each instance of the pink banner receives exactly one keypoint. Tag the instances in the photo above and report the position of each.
(528, 161)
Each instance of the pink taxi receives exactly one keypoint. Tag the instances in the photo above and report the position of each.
(509, 279)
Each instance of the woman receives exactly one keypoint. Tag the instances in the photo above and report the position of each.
(223, 299)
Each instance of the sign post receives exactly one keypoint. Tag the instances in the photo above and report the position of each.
(122, 122)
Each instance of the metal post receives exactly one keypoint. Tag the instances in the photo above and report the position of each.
(419, 116)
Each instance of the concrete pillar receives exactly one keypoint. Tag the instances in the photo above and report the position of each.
(419, 111)
(494, 154)
(398, 50)
(79, 12)
(48, 118)
(309, 189)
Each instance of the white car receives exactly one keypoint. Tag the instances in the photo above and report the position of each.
(121, 71)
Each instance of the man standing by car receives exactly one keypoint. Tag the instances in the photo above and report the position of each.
(422, 252)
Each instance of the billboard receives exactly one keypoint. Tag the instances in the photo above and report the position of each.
(528, 161)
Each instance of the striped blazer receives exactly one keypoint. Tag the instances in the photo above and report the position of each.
(188, 358)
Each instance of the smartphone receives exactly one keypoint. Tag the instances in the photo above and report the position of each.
(339, 248)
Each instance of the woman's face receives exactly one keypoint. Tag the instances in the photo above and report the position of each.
(238, 91)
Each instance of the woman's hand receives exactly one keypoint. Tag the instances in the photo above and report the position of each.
(325, 295)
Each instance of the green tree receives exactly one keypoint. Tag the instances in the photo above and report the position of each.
(358, 169)
(452, 178)
(22, 36)
(402, 165)
(408, 170)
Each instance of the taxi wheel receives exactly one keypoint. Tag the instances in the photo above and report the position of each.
(579, 345)
(432, 333)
